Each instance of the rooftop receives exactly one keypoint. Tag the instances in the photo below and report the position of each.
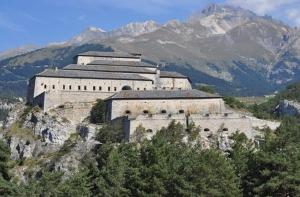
(122, 63)
(109, 68)
(162, 94)
(90, 75)
(110, 54)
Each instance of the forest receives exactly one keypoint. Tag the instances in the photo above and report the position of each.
(171, 165)
(167, 166)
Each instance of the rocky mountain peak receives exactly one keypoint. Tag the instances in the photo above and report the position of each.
(138, 28)
(95, 29)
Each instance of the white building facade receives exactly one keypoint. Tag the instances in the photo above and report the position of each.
(98, 75)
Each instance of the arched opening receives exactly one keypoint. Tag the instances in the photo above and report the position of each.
(127, 112)
(126, 88)
(206, 129)
(225, 129)
(181, 111)
(163, 111)
(145, 111)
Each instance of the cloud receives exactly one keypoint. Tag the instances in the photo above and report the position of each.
(294, 15)
(289, 9)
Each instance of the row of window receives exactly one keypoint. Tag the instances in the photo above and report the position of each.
(205, 129)
(181, 111)
(69, 87)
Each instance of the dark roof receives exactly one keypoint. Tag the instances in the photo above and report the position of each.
(109, 54)
(168, 74)
(90, 75)
(162, 94)
(122, 63)
(108, 68)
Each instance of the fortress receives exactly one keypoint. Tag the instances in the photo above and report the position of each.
(136, 92)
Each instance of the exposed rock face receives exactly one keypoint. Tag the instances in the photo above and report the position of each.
(46, 140)
(287, 107)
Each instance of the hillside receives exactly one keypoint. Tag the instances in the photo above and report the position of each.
(232, 49)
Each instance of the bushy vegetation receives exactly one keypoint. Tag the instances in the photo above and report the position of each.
(266, 110)
(233, 102)
(208, 89)
(167, 166)
(97, 114)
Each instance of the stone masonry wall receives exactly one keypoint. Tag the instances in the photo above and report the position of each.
(171, 106)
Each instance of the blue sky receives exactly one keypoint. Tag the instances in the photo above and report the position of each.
(42, 21)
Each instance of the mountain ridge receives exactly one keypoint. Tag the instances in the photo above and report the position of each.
(227, 47)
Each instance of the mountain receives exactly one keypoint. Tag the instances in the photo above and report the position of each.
(132, 29)
(17, 51)
(232, 49)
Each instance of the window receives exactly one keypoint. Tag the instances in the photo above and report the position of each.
(53, 87)
(138, 88)
(206, 129)
(181, 111)
(226, 114)
(149, 131)
(225, 129)
(145, 89)
(84, 87)
(100, 88)
(163, 111)
(94, 88)
(42, 84)
(108, 88)
(164, 88)
(127, 112)
(79, 87)
(206, 115)
(115, 88)
(45, 86)
(70, 87)
(145, 111)
(64, 87)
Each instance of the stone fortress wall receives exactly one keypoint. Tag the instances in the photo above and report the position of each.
(226, 124)
(57, 89)
(68, 85)
(83, 60)
(119, 108)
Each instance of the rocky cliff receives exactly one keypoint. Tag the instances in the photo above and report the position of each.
(287, 107)
(38, 140)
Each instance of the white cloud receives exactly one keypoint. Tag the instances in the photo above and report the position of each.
(294, 14)
(289, 9)
(262, 6)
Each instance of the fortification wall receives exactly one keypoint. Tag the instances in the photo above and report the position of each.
(212, 125)
(171, 106)
(42, 84)
(151, 124)
(83, 60)
(175, 83)
(50, 100)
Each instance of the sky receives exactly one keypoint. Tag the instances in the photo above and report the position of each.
(40, 22)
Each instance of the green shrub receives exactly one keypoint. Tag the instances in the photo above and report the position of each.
(207, 89)
(233, 102)
(97, 114)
